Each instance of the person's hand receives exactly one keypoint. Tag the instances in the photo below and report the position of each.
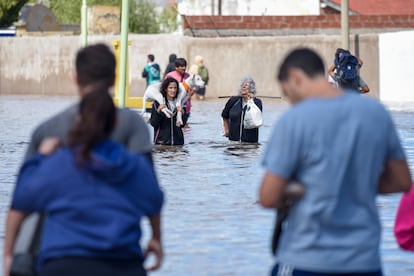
(49, 145)
(161, 107)
(154, 247)
(7, 260)
(250, 96)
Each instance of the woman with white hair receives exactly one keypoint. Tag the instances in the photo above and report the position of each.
(235, 110)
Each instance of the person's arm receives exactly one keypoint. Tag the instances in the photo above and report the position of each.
(145, 73)
(277, 192)
(363, 86)
(155, 244)
(364, 89)
(156, 114)
(34, 143)
(226, 124)
(14, 221)
(24, 198)
(395, 177)
(331, 70)
(225, 115)
(271, 191)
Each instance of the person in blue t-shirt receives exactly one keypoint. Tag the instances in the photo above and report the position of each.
(94, 192)
(152, 71)
(343, 149)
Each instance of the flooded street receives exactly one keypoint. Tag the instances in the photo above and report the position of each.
(211, 222)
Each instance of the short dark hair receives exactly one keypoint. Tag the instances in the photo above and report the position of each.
(164, 86)
(95, 64)
(180, 62)
(151, 57)
(304, 59)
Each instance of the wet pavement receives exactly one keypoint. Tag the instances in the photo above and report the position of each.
(211, 222)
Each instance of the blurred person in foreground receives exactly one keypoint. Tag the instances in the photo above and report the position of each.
(94, 192)
(343, 160)
(95, 66)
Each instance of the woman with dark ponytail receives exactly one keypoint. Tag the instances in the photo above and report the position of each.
(94, 193)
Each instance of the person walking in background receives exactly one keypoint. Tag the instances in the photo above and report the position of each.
(171, 64)
(95, 193)
(152, 71)
(95, 65)
(345, 72)
(234, 112)
(342, 160)
(166, 130)
(179, 73)
(201, 70)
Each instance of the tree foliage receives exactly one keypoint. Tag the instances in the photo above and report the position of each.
(143, 18)
(9, 11)
(69, 11)
(143, 15)
(168, 20)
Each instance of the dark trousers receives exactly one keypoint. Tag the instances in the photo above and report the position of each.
(288, 271)
(73, 266)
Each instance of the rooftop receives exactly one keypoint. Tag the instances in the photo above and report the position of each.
(377, 7)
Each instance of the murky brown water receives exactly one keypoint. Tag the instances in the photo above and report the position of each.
(211, 223)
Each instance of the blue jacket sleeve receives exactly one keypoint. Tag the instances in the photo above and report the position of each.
(34, 185)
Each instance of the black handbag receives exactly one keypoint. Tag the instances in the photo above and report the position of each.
(26, 248)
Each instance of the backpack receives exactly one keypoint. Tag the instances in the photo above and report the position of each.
(347, 69)
(203, 72)
(154, 71)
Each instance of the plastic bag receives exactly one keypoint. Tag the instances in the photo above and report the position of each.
(253, 116)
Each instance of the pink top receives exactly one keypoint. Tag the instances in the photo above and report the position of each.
(404, 222)
(177, 76)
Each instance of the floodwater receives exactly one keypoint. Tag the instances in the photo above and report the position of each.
(211, 222)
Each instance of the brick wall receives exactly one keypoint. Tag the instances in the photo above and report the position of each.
(328, 21)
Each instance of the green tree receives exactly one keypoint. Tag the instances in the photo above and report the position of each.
(69, 11)
(143, 18)
(168, 20)
(9, 11)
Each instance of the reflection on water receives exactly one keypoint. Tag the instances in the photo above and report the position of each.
(211, 222)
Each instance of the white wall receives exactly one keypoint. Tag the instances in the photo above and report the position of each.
(396, 59)
(251, 7)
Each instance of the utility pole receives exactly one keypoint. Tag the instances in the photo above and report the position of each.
(345, 24)
(84, 23)
(219, 7)
(123, 52)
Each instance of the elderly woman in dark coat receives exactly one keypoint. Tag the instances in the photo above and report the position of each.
(234, 111)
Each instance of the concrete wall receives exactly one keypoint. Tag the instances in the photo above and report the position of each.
(44, 65)
(396, 59)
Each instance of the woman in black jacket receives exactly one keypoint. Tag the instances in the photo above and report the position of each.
(166, 129)
(234, 111)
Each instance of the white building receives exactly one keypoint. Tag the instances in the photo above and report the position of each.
(250, 7)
